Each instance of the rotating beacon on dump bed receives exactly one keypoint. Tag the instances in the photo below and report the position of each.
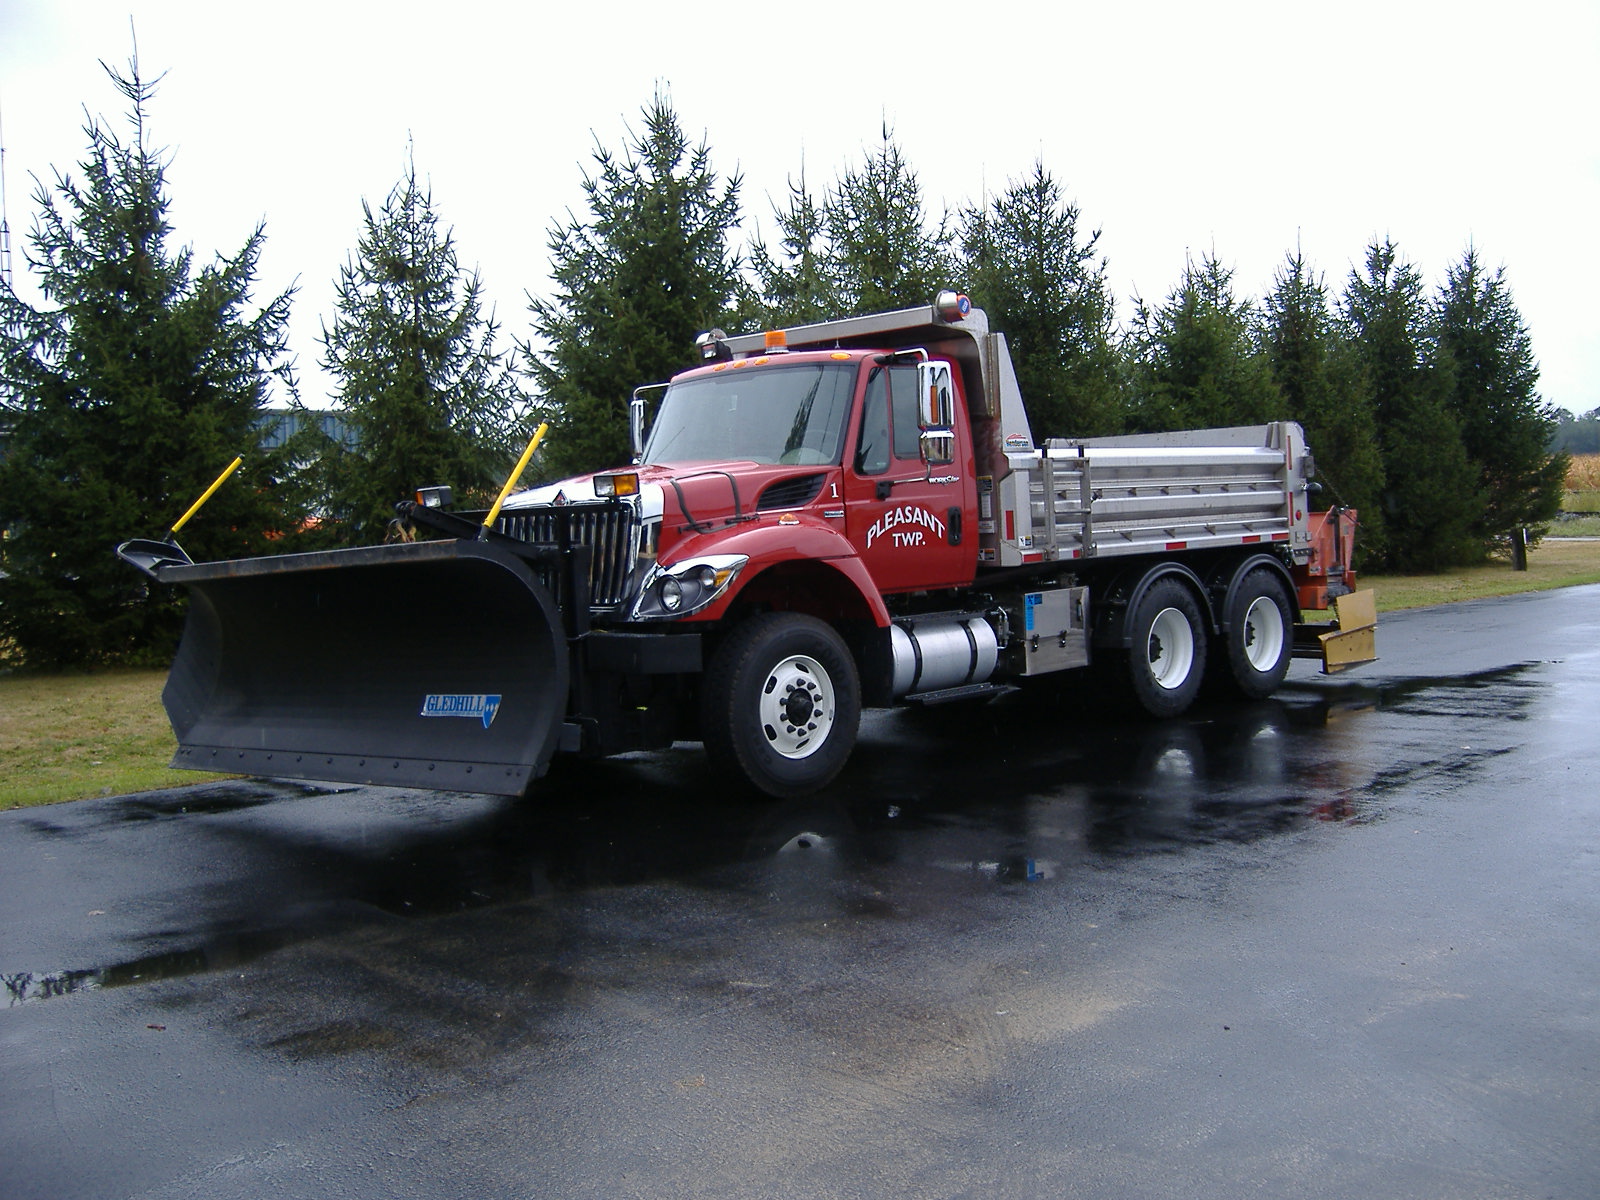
(846, 514)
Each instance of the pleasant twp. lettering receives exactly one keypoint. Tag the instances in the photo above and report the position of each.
(905, 514)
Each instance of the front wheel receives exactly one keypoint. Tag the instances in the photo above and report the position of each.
(781, 704)
(1167, 652)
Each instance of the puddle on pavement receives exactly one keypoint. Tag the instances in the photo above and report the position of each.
(211, 799)
(24, 987)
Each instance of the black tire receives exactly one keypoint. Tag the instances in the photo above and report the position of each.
(1166, 656)
(781, 704)
(1260, 638)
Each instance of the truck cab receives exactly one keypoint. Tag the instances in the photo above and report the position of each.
(862, 452)
(835, 438)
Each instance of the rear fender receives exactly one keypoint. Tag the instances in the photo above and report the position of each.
(1120, 600)
(1224, 583)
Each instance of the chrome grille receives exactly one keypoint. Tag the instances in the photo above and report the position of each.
(609, 530)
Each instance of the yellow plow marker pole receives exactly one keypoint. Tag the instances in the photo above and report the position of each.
(206, 495)
(522, 464)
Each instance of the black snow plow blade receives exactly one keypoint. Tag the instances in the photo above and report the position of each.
(426, 664)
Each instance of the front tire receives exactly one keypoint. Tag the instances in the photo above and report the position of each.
(1167, 650)
(781, 704)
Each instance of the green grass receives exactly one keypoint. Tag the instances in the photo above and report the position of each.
(1554, 563)
(1580, 502)
(65, 737)
(1578, 525)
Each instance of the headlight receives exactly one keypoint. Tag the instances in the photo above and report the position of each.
(686, 587)
(623, 484)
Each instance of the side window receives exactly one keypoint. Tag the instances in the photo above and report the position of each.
(872, 450)
(903, 395)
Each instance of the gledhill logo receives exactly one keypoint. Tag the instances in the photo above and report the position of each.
(483, 708)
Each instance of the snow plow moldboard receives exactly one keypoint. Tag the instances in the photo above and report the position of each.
(435, 664)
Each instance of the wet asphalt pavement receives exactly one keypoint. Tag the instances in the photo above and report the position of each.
(1340, 943)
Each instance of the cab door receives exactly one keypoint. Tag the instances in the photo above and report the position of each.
(911, 521)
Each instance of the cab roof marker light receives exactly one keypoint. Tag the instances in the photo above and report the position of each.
(952, 306)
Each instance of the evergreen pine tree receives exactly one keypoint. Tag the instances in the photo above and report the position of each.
(1577, 434)
(636, 282)
(1195, 362)
(1505, 426)
(429, 399)
(1325, 396)
(792, 285)
(134, 384)
(1432, 501)
(884, 252)
(1039, 281)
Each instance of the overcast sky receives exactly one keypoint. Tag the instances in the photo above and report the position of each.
(1238, 128)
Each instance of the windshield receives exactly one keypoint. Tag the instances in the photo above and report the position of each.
(766, 415)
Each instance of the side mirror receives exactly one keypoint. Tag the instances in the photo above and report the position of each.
(936, 412)
(636, 426)
(938, 447)
(636, 421)
(936, 402)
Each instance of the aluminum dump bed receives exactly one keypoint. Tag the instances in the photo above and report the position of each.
(1147, 494)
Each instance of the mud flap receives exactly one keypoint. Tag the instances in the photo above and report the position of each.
(429, 664)
(1349, 640)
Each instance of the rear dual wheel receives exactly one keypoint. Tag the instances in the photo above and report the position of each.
(1260, 639)
(781, 704)
(1169, 646)
(1166, 654)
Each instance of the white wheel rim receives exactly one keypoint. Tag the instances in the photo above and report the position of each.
(1262, 636)
(1170, 649)
(797, 706)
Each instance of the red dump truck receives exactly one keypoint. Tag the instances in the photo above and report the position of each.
(852, 513)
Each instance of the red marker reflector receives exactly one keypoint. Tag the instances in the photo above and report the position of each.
(1280, 537)
(1250, 537)
(1177, 545)
(1033, 558)
(1011, 525)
